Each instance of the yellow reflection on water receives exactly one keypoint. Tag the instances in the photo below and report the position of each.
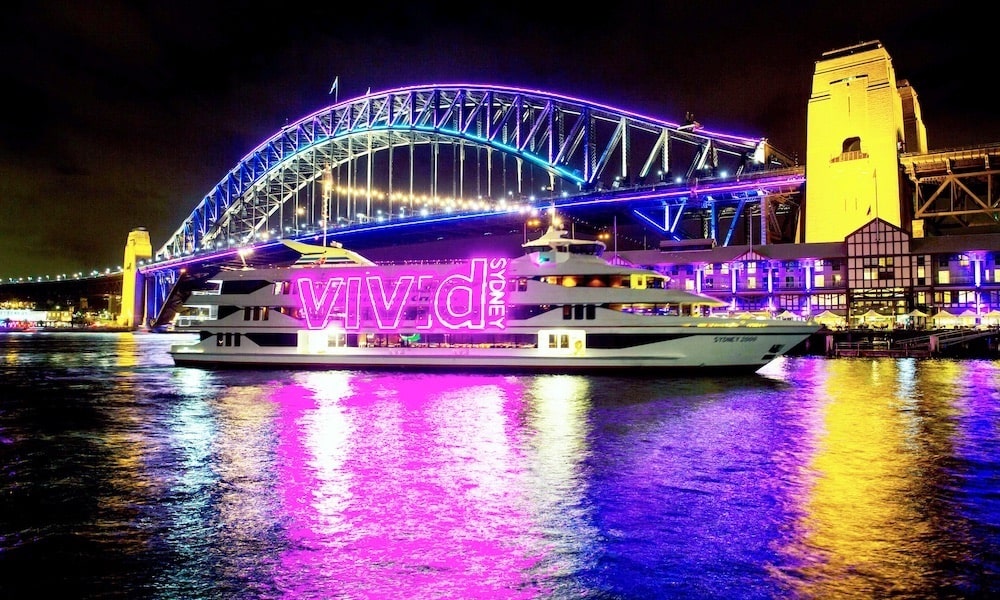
(558, 420)
(126, 350)
(865, 522)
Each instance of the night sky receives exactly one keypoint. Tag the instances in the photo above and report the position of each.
(120, 115)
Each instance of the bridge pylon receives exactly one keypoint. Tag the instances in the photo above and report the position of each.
(137, 247)
(860, 119)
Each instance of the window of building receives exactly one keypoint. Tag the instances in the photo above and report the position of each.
(819, 280)
(944, 277)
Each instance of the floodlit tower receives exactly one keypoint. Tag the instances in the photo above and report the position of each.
(859, 121)
(137, 248)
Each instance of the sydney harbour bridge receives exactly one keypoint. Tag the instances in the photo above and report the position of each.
(444, 162)
(421, 152)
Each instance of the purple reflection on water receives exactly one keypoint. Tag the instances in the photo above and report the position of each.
(403, 486)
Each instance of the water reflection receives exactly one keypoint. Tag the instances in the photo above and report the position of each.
(879, 519)
(814, 479)
(401, 485)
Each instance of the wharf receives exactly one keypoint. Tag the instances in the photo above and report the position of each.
(915, 344)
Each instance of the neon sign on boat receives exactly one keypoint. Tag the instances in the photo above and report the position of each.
(472, 297)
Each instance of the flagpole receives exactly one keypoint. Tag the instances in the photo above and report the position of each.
(616, 236)
(875, 177)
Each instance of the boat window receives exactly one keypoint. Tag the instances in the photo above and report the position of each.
(240, 286)
(567, 312)
(522, 284)
(591, 312)
(578, 311)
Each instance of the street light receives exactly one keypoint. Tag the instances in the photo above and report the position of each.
(533, 223)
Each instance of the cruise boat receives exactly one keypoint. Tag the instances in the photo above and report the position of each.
(559, 307)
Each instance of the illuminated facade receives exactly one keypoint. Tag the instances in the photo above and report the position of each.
(878, 274)
(859, 120)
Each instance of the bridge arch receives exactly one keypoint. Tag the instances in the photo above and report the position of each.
(466, 148)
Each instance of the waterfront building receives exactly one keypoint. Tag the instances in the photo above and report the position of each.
(879, 276)
(872, 250)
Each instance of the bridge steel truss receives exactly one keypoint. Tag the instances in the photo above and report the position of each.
(955, 189)
(408, 152)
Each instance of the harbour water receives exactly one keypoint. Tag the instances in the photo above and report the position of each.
(126, 477)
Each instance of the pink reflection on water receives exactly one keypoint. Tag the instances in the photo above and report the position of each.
(404, 486)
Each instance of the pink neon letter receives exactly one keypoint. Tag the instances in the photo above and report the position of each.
(455, 302)
(388, 311)
(318, 311)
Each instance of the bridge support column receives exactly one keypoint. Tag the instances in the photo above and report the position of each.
(137, 248)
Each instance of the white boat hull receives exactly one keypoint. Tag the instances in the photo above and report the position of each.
(716, 350)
